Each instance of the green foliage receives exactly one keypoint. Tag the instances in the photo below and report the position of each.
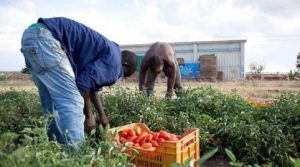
(233, 161)
(187, 163)
(256, 135)
(269, 135)
(25, 70)
(256, 68)
(296, 162)
(294, 75)
(18, 110)
(3, 77)
(34, 149)
(298, 62)
(206, 156)
(24, 140)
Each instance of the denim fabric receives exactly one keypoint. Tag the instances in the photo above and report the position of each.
(53, 75)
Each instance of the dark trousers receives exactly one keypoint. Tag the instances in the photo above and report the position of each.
(151, 77)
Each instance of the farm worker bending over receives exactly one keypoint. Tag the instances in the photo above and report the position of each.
(68, 61)
(160, 57)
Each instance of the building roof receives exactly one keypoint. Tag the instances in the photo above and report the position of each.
(190, 42)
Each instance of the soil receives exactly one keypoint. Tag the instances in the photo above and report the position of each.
(216, 161)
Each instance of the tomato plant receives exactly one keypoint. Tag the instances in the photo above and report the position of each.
(256, 135)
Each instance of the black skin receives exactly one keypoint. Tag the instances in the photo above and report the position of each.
(168, 68)
(90, 122)
(164, 51)
(170, 72)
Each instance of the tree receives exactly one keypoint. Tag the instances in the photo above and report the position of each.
(291, 75)
(256, 69)
(297, 71)
(298, 62)
(25, 70)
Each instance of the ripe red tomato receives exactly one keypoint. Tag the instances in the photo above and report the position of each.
(164, 135)
(131, 138)
(173, 137)
(149, 137)
(130, 132)
(155, 135)
(160, 141)
(140, 137)
(154, 143)
(124, 134)
(143, 141)
(136, 144)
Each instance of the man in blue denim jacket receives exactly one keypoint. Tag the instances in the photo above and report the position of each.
(68, 61)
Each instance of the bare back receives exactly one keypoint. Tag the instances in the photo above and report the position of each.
(163, 50)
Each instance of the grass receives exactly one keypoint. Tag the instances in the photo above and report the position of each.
(246, 89)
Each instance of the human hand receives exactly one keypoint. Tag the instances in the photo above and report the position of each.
(103, 120)
(90, 123)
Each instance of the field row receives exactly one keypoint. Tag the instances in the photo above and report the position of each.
(255, 134)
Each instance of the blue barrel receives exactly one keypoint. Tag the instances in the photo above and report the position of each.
(190, 70)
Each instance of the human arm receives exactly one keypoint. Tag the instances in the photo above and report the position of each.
(87, 89)
(142, 75)
(99, 108)
(170, 71)
(90, 122)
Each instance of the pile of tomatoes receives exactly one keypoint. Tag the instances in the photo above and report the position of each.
(146, 140)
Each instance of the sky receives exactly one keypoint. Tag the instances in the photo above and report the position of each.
(271, 27)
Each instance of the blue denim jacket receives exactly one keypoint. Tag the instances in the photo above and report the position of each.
(96, 61)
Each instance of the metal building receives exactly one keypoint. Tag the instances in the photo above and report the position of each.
(230, 56)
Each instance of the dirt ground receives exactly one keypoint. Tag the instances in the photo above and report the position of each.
(247, 89)
(216, 161)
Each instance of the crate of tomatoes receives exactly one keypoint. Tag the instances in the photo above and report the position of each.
(158, 149)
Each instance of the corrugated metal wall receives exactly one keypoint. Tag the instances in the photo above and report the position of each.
(230, 55)
(229, 58)
(184, 51)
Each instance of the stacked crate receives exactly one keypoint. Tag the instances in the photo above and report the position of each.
(208, 67)
(220, 76)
